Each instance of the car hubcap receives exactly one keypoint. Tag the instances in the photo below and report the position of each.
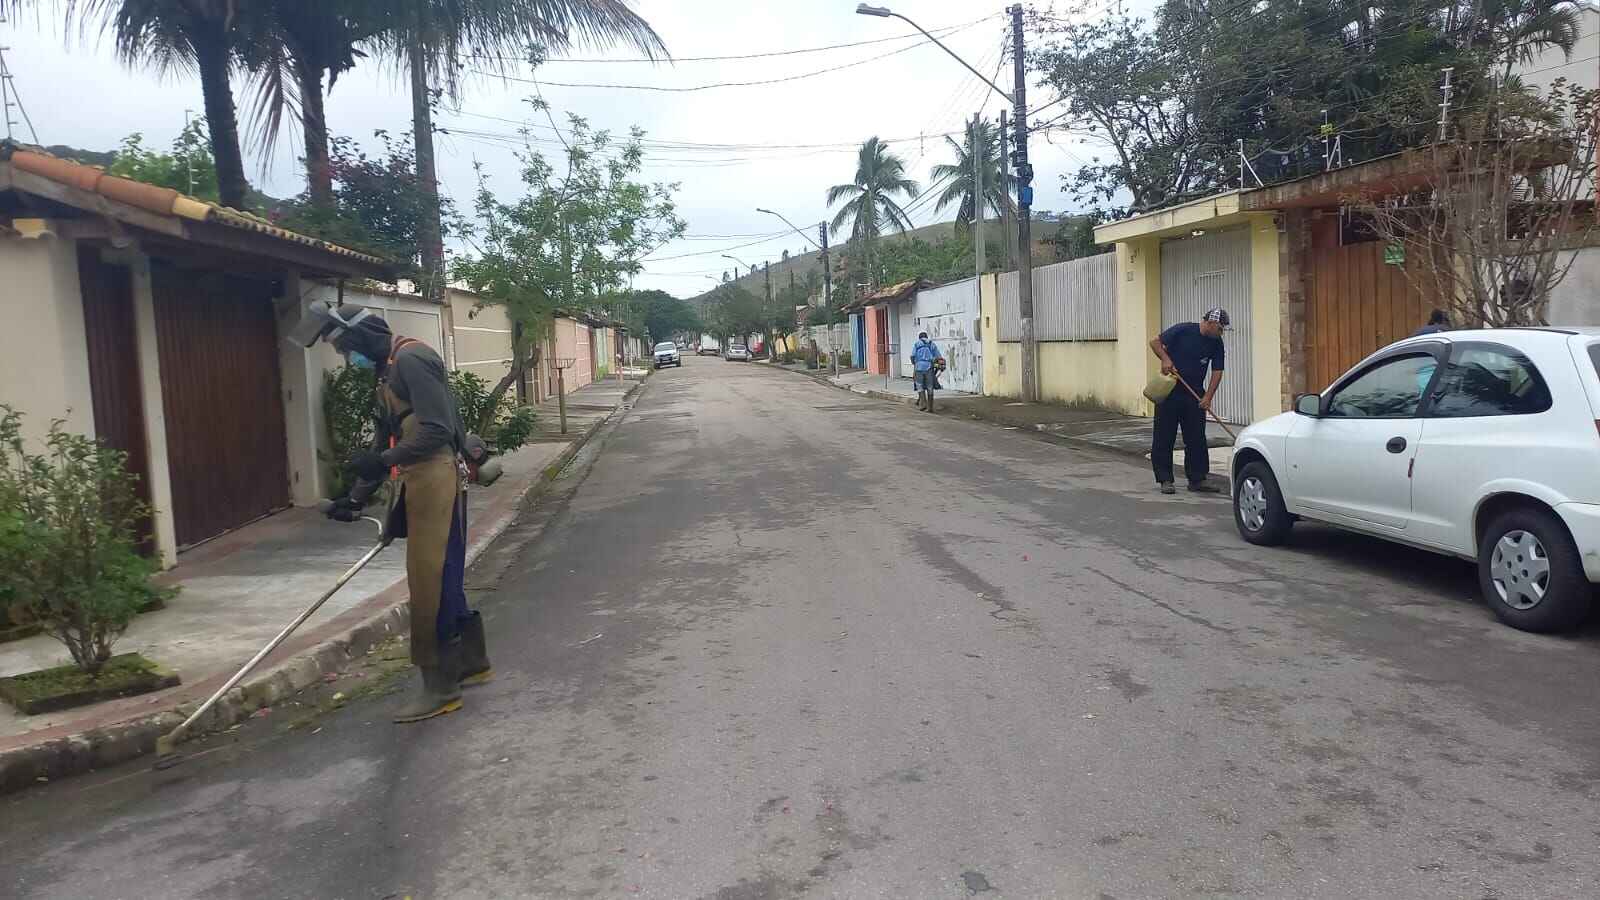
(1520, 569)
(1253, 503)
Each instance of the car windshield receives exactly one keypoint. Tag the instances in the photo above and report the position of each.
(667, 345)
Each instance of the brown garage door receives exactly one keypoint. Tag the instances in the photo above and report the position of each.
(113, 341)
(1356, 303)
(222, 400)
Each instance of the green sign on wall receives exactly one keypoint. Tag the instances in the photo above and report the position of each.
(1394, 255)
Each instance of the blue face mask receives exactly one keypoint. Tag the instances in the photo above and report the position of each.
(360, 360)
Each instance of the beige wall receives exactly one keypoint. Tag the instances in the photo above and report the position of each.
(481, 337)
(1266, 315)
(44, 355)
(1071, 372)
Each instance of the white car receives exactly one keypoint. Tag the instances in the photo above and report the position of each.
(736, 353)
(666, 354)
(1478, 444)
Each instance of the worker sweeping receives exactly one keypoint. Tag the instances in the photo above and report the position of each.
(1188, 351)
(420, 437)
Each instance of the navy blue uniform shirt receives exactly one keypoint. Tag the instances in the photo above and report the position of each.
(1192, 352)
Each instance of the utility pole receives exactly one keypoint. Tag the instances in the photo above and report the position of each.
(772, 347)
(974, 146)
(1030, 350)
(1007, 226)
(827, 288)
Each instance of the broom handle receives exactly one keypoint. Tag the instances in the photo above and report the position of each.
(282, 635)
(1203, 406)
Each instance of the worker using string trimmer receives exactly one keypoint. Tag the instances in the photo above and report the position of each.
(419, 437)
(1187, 351)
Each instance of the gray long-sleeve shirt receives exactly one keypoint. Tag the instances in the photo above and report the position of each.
(418, 377)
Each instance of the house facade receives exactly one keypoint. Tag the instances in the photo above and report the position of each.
(153, 322)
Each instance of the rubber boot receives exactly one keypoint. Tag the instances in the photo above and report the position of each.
(441, 689)
(475, 668)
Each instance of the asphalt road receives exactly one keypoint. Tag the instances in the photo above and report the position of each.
(785, 641)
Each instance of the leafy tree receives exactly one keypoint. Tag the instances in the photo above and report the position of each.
(573, 238)
(431, 39)
(869, 204)
(950, 258)
(1171, 98)
(666, 315)
(735, 313)
(188, 168)
(378, 206)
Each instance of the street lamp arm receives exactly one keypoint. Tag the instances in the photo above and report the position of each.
(881, 12)
(797, 229)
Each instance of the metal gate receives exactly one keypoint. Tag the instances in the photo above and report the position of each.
(1198, 273)
(222, 399)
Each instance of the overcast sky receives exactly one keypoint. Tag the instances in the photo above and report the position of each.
(904, 89)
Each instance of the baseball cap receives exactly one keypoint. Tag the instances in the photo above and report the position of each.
(1218, 315)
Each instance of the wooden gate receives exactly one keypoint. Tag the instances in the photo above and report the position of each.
(114, 384)
(220, 388)
(1356, 303)
(881, 348)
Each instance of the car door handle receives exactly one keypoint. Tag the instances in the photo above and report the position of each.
(1396, 445)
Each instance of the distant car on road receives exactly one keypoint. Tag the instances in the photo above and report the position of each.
(666, 354)
(1479, 444)
(708, 346)
(736, 353)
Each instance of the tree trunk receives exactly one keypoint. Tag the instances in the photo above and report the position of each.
(313, 115)
(211, 56)
(430, 231)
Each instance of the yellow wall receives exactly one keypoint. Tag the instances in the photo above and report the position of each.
(1266, 359)
(1069, 371)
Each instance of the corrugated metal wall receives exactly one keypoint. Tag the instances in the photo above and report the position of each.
(1198, 273)
(1072, 301)
(950, 315)
(216, 337)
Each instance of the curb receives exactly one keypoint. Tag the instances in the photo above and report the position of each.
(297, 665)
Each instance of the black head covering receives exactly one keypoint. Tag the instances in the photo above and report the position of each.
(371, 337)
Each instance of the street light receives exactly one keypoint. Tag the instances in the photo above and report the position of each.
(1019, 158)
(827, 274)
(884, 12)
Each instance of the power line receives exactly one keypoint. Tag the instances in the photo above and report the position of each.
(720, 84)
(939, 32)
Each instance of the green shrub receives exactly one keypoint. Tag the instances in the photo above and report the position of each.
(349, 404)
(68, 539)
(511, 425)
(844, 359)
(513, 430)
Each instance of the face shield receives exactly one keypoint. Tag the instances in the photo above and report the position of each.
(325, 322)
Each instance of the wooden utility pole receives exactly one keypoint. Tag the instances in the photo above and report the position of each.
(772, 348)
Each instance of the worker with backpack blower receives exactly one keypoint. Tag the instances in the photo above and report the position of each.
(419, 437)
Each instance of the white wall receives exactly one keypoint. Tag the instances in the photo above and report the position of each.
(44, 354)
(1580, 69)
(1576, 300)
(482, 337)
(950, 315)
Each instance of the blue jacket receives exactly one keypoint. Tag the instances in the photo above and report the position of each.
(923, 355)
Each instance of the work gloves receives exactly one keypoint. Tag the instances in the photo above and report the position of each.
(368, 465)
(345, 510)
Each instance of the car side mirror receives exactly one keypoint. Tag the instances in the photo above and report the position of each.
(1309, 405)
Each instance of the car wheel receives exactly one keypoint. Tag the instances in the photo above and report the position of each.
(1258, 509)
(1530, 572)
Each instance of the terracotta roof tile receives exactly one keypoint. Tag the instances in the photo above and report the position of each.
(164, 201)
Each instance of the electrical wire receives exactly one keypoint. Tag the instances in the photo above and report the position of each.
(720, 84)
(937, 32)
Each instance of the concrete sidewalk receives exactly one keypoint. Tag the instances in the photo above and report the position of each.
(237, 591)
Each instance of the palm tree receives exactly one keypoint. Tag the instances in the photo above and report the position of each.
(869, 203)
(291, 47)
(957, 177)
(431, 38)
(179, 35)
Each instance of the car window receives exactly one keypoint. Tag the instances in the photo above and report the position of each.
(1594, 357)
(666, 346)
(1489, 380)
(1391, 390)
